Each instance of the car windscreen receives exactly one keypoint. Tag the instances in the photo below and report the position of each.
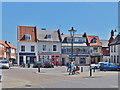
(3, 61)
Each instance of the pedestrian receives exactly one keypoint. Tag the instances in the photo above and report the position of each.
(71, 68)
(23, 64)
(10, 62)
(68, 66)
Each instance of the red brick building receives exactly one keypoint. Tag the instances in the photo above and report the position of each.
(6, 50)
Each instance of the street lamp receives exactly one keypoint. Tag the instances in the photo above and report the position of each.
(72, 31)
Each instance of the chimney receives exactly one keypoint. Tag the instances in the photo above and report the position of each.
(43, 29)
(85, 34)
(112, 33)
(62, 34)
(5, 41)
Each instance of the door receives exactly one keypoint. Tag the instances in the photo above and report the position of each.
(21, 60)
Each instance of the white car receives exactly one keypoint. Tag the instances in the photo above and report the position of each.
(96, 66)
(4, 64)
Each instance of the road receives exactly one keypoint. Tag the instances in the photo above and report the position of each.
(57, 78)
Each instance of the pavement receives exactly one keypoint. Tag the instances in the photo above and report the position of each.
(57, 77)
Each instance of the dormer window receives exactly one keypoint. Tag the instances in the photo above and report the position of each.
(27, 37)
(48, 36)
(94, 40)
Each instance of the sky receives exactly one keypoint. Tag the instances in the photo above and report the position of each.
(94, 18)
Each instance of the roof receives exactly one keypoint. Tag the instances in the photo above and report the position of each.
(104, 43)
(68, 35)
(2, 42)
(54, 35)
(91, 38)
(116, 40)
(10, 45)
(77, 45)
(32, 30)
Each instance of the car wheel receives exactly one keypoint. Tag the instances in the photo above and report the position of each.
(101, 69)
(95, 67)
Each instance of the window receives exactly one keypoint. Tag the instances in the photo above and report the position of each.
(69, 39)
(94, 40)
(114, 59)
(95, 49)
(22, 48)
(68, 50)
(111, 48)
(32, 48)
(118, 59)
(27, 37)
(107, 48)
(44, 48)
(54, 47)
(48, 36)
(114, 48)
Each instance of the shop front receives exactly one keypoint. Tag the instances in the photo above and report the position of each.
(96, 59)
(78, 59)
(27, 58)
(55, 58)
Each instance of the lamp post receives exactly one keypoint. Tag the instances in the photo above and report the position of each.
(72, 31)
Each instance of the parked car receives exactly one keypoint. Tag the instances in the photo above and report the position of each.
(36, 64)
(48, 64)
(109, 66)
(96, 66)
(4, 64)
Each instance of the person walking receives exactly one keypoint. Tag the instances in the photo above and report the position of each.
(68, 66)
(71, 68)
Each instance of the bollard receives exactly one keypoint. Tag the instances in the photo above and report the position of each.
(94, 69)
(81, 69)
(38, 68)
(28, 65)
(90, 71)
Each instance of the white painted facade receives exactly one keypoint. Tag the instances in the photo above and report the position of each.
(12, 53)
(49, 47)
(115, 54)
(27, 50)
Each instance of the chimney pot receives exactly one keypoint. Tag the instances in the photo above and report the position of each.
(43, 29)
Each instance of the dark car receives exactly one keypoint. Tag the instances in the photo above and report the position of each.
(37, 64)
(109, 66)
(48, 64)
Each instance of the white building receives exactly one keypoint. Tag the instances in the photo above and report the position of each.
(49, 46)
(115, 50)
(27, 44)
